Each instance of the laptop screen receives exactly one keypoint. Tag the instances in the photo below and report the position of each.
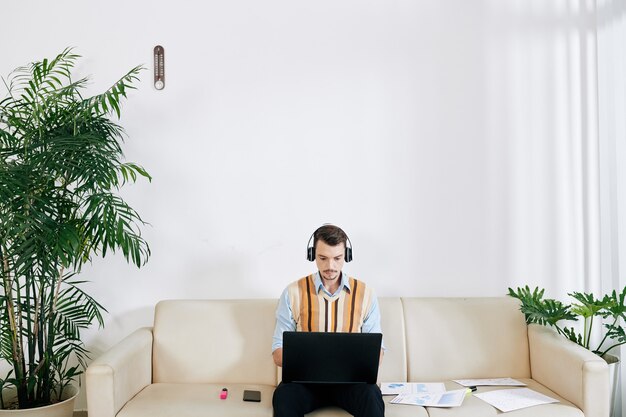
(331, 358)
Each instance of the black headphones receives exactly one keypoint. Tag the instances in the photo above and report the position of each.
(310, 250)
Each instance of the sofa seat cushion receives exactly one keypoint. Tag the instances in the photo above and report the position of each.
(475, 407)
(197, 400)
(391, 410)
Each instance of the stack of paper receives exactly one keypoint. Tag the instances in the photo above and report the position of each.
(395, 388)
(490, 382)
(513, 399)
(432, 399)
(426, 394)
(434, 394)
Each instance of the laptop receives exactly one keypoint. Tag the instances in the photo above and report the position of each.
(331, 358)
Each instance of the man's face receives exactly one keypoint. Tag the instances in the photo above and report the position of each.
(329, 259)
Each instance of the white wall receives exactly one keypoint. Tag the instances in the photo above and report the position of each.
(447, 137)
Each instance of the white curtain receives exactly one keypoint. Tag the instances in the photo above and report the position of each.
(611, 32)
(558, 128)
(543, 125)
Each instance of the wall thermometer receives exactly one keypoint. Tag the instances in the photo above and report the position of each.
(159, 67)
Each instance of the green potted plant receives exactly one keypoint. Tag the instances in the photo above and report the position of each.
(610, 311)
(61, 165)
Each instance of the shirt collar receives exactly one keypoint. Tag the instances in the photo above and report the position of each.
(317, 280)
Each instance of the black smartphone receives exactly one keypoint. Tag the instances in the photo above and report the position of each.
(249, 395)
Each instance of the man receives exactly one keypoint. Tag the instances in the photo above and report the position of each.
(327, 301)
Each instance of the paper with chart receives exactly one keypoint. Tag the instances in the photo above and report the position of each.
(490, 382)
(513, 399)
(432, 399)
(395, 388)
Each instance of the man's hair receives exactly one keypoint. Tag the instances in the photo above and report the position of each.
(331, 235)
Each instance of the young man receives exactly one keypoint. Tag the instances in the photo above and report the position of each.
(326, 301)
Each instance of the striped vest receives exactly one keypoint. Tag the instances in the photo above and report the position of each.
(319, 312)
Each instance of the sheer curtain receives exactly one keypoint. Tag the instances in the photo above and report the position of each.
(544, 142)
(557, 123)
(611, 32)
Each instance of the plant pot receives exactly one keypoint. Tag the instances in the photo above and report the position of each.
(64, 408)
(613, 362)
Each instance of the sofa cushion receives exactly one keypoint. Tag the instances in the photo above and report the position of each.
(475, 407)
(214, 341)
(393, 366)
(453, 338)
(202, 400)
(198, 400)
(391, 410)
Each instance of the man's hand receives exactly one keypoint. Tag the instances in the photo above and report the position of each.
(278, 357)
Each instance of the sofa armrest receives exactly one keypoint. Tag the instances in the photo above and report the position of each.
(571, 371)
(119, 374)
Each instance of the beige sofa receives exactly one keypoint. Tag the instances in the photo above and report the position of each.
(196, 348)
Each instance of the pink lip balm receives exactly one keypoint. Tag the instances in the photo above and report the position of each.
(224, 393)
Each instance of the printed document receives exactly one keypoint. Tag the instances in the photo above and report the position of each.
(432, 399)
(513, 399)
(490, 381)
(395, 388)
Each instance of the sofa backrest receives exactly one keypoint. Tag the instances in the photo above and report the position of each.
(459, 338)
(214, 341)
(427, 339)
(393, 367)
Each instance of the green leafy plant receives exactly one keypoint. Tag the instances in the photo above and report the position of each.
(610, 311)
(60, 168)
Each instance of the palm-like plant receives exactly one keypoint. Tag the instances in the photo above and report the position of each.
(550, 312)
(60, 168)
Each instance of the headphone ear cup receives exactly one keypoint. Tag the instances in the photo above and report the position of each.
(348, 257)
(310, 254)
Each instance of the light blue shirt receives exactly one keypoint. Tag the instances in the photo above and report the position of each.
(286, 323)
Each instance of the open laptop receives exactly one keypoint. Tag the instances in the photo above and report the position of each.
(331, 358)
